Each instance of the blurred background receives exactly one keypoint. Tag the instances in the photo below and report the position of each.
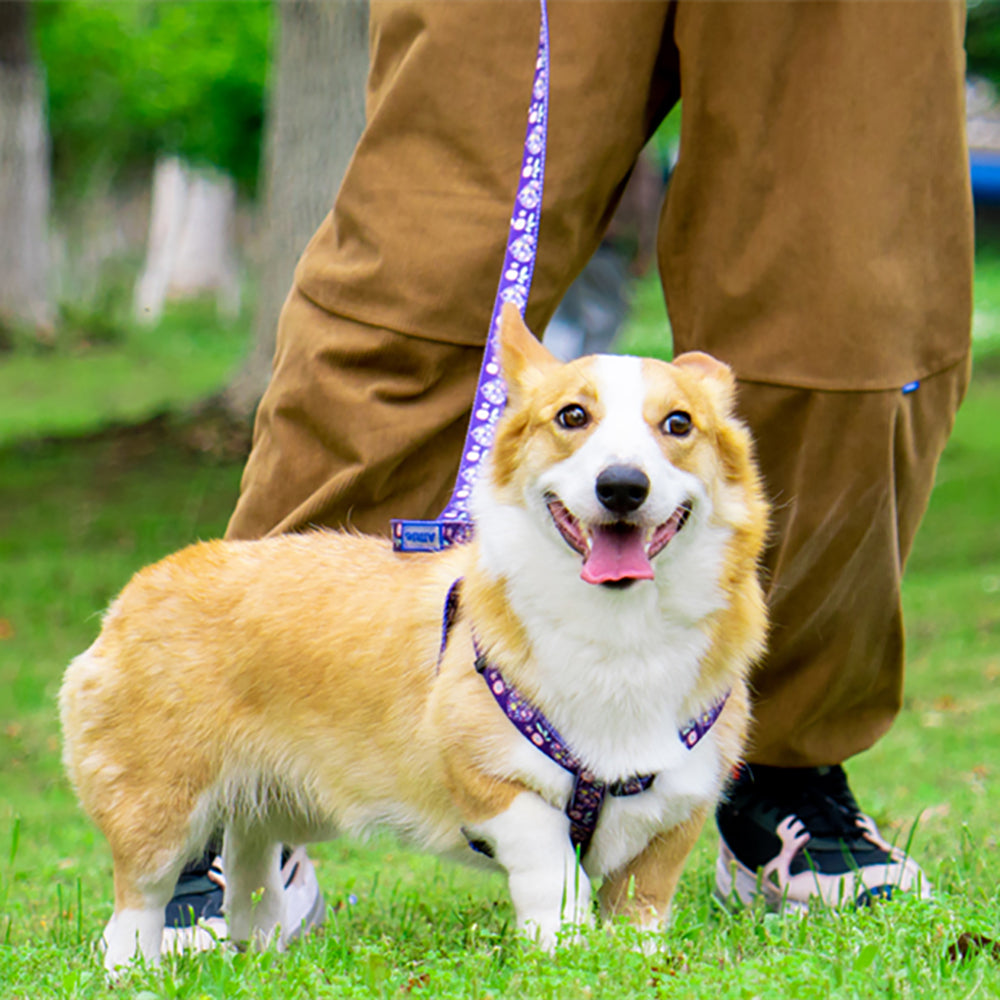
(162, 165)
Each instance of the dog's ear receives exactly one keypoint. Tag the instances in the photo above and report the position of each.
(523, 359)
(717, 377)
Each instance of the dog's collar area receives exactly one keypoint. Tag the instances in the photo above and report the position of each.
(587, 798)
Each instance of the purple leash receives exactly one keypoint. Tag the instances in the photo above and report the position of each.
(454, 525)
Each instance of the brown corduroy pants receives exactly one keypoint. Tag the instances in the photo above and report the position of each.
(816, 236)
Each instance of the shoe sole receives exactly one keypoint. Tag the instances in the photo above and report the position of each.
(736, 885)
(212, 932)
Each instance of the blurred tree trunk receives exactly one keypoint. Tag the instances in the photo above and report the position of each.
(315, 116)
(189, 249)
(24, 175)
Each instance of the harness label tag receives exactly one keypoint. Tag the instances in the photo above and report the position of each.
(429, 536)
(419, 536)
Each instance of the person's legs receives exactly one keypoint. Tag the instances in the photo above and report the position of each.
(850, 474)
(855, 471)
(817, 238)
(359, 424)
(380, 340)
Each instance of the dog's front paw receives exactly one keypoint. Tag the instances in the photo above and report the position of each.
(649, 941)
(553, 933)
(643, 931)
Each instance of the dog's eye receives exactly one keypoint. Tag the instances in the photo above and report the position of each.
(678, 424)
(573, 417)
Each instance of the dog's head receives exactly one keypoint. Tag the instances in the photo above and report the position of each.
(611, 460)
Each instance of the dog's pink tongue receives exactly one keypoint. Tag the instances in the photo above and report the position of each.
(616, 553)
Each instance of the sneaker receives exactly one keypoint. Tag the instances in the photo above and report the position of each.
(194, 920)
(304, 905)
(194, 917)
(796, 836)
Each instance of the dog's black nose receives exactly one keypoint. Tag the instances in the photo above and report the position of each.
(622, 488)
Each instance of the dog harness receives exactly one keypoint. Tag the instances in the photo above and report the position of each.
(589, 792)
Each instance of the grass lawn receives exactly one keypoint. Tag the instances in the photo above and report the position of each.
(77, 517)
(141, 372)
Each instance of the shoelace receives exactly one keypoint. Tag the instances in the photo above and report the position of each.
(825, 817)
(822, 801)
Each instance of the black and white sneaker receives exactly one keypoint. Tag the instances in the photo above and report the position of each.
(796, 837)
(194, 920)
(194, 916)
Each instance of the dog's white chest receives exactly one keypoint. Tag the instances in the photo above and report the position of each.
(628, 730)
(683, 780)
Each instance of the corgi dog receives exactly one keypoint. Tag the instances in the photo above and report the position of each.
(573, 721)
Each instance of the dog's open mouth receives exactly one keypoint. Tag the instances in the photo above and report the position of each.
(619, 553)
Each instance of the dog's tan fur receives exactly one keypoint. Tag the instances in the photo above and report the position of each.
(293, 683)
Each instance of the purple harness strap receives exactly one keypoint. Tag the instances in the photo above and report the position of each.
(587, 798)
(454, 526)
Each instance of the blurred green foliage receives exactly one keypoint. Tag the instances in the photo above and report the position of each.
(982, 39)
(127, 81)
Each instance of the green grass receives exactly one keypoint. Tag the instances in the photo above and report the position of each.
(647, 330)
(986, 317)
(141, 372)
(77, 517)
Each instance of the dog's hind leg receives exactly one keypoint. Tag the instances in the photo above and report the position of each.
(136, 926)
(254, 904)
(151, 834)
